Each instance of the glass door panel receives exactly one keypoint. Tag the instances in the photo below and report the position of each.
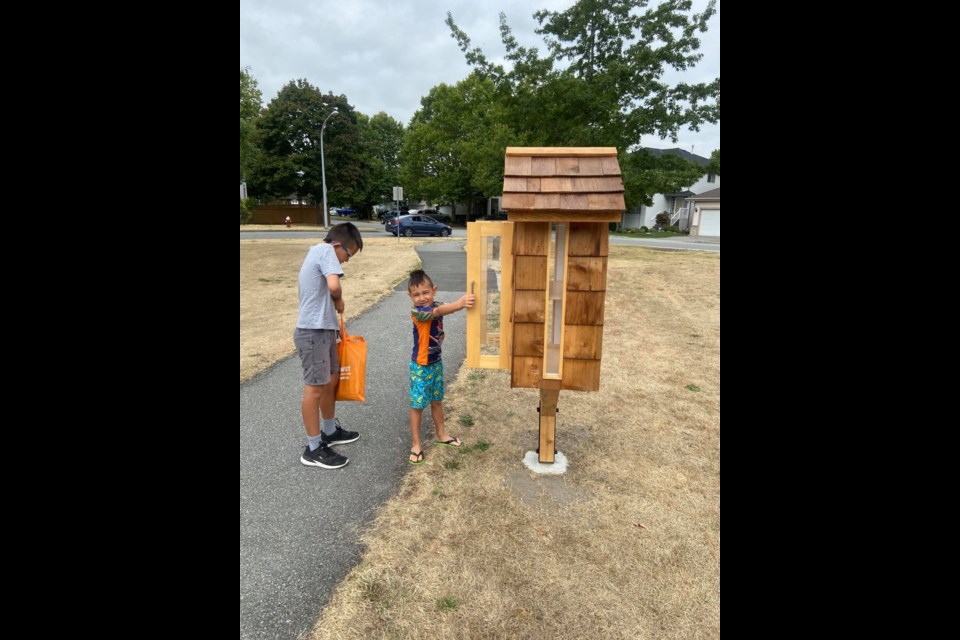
(553, 334)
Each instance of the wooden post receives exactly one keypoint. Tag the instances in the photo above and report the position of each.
(549, 394)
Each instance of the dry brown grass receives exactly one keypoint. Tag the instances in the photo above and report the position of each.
(626, 544)
(268, 290)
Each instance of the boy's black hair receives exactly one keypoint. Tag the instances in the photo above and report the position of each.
(344, 233)
(417, 278)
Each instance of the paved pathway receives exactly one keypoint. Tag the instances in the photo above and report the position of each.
(300, 526)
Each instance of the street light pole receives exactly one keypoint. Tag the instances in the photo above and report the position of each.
(323, 169)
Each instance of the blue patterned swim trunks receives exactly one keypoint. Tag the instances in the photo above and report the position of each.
(426, 384)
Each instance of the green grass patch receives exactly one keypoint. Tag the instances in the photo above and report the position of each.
(373, 590)
(692, 387)
(480, 445)
(447, 604)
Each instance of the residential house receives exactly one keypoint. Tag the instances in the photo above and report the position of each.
(673, 203)
(482, 208)
(705, 214)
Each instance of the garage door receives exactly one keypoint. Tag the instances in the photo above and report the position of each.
(710, 222)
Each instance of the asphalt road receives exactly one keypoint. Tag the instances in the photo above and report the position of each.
(300, 526)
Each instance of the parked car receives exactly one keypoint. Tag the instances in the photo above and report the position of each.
(416, 225)
(496, 215)
(442, 216)
(388, 214)
(433, 213)
(346, 212)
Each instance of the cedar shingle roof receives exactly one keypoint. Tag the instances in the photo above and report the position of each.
(562, 179)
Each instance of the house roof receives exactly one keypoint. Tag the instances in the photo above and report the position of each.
(676, 151)
(680, 194)
(713, 194)
(562, 180)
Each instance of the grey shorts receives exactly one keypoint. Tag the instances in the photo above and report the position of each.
(318, 354)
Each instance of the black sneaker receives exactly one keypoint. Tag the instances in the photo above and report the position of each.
(323, 456)
(340, 436)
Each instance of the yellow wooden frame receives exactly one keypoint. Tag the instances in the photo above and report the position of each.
(476, 232)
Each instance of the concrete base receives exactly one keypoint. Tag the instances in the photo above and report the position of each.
(531, 460)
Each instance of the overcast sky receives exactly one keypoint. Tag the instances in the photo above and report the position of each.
(384, 55)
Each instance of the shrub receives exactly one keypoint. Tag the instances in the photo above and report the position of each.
(246, 210)
(663, 218)
(644, 229)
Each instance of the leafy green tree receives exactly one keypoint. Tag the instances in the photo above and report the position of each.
(623, 47)
(250, 105)
(381, 137)
(288, 134)
(714, 165)
(453, 150)
(601, 82)
(645, 174)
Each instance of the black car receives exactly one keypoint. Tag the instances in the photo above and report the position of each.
(390, 214)
(436, 215)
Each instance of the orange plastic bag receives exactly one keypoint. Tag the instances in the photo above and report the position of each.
(353, 366)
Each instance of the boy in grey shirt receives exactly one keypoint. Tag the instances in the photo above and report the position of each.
(315, 337)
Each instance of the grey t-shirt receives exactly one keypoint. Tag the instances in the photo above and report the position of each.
(316, 305)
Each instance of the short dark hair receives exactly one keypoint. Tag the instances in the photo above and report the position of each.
(345, 232)
(417, 278)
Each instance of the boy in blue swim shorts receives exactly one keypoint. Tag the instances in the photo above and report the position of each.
(426, 365)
